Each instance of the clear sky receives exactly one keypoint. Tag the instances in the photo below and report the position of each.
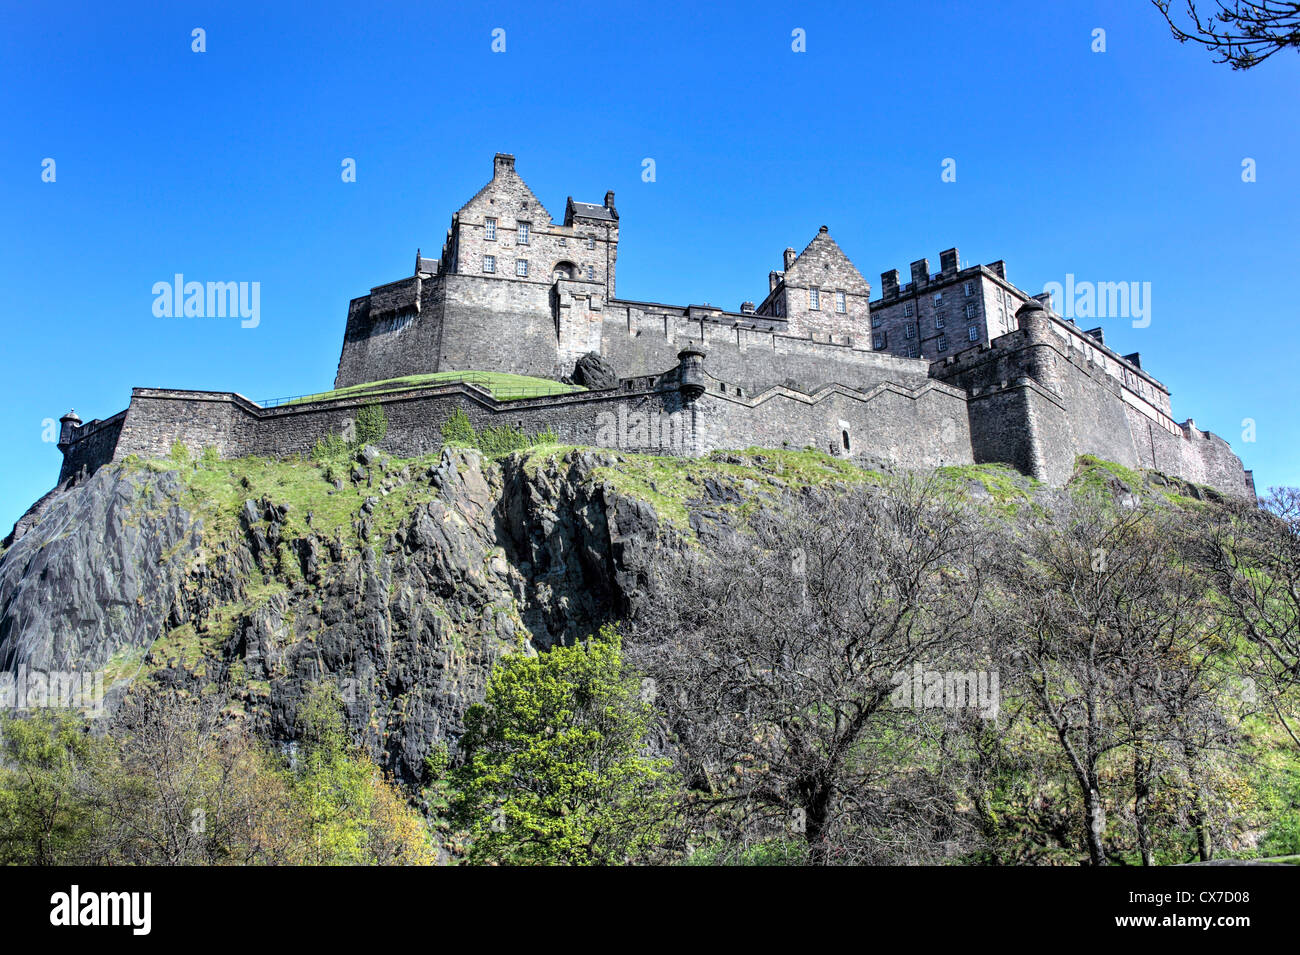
(225, 165)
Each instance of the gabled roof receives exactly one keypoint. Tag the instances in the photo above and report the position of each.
(507, 171)
(824, 255)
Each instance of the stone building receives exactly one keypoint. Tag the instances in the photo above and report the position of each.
(955, 367)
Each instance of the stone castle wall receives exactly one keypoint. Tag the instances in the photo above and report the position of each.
(1034, 392)
(645, 414)
(1037, 403)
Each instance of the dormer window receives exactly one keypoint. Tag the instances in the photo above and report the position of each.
(490, 229)
(523, 234)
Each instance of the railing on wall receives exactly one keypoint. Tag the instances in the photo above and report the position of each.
(501, 390)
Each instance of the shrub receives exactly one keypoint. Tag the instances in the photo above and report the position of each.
(329, 448)
(372, 425)
(459, 431)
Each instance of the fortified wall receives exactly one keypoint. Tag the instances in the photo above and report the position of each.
(930, 375)
(684, 411)
(1036, 403)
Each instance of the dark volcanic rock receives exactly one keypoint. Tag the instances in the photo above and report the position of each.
(407, 622)
(595, 372)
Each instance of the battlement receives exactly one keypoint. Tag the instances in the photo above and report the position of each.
(955, 366)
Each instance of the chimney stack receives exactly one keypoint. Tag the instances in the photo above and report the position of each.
(502, 162)
(920, 272)
(949, 263)
(790, 256)
(889, 283)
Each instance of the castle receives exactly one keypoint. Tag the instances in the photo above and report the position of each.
(957, 366)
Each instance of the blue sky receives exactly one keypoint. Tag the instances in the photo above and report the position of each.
(225, 166)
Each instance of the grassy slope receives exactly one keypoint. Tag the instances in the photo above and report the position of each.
(503, 386)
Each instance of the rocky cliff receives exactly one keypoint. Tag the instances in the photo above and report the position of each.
(400, 581)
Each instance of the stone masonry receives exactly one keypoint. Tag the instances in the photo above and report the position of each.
(956, 366)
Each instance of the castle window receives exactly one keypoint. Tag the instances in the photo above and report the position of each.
(563, 242)
(841, 304)
(970, 289)
(942, 344)
(523, 234)
(879, 341)
(974, 332)
(916, 351)
(970, 310)
(938, 299)
(844, 439)
(814, 299)
(490, 232)
(875, 321)
(521, 267)
(909, 330)
(591, 241)
(907, 310)
(938, 319)
(489, 263)
(591, 273)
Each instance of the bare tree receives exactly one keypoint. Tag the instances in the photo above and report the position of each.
(190, 788)
(1111, 638)
(776, 661)
(1243, 33)
(1254, 557)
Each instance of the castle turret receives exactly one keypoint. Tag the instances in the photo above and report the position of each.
(68, 425)
(690, 378)
(1032, 318)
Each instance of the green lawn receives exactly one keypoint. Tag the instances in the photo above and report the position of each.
(503, 386)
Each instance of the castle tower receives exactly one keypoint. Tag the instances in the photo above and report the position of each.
(820, 293)
(68, 426)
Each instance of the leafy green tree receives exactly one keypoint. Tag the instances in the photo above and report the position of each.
(556, 769)
(45, 817)
(352, 814)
